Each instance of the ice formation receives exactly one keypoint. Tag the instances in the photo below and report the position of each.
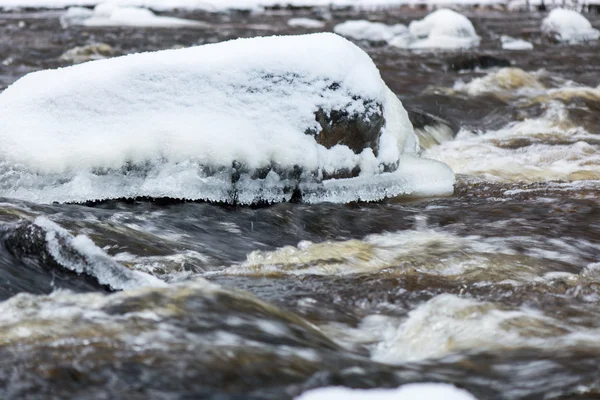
(421, 391)
(510, 43)
(242, 121)
(110, 14)
(442, 29)
(370, 31)
(306, 23)
(569, 26)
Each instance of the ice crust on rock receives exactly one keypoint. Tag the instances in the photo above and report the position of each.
(442, 29)
(111, 14)
(229, 122)
(413, 391)
(370, 31)
(569, 26)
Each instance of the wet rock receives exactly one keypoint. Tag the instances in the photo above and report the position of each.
(472, 61)
(95, 51)
(357, 131)
(431, 130)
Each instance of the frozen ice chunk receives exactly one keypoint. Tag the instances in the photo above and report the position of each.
(421, 391)
(242, 121)
(569, 26)
(370, 31)
(510, 43)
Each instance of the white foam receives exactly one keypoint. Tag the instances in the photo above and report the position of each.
(547, 157)
(421, 391)
(370, 31)
(449, 324)
(510, 43)
(442, 29)
(150, 124)
(569, 26)
(110, 14)
(306, 23)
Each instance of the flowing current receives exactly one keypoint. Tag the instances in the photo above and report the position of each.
(494, 289)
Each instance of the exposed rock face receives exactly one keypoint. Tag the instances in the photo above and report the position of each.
(472, 61)
(357, 131)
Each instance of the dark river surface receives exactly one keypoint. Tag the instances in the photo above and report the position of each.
(495, 289)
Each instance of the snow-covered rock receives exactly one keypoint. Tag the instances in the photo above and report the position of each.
(111, 14)
(306, 23)
(241, 121)
(510, 43)
(370, 31)
(442, 29)
(414, 391)
(568, 26)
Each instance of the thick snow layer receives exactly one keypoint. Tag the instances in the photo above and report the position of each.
(109, 14)
(442, 29)
(414, 391)
(371, 31)
(569, 26)
(510, 43)
(221, 122)
(306, 23)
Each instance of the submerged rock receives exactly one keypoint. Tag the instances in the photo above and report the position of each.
(51, 247)
(475, 61)
(90, 52)
(431, 130)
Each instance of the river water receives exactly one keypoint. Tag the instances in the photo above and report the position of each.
(494, 289)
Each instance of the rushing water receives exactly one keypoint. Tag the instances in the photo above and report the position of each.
(495, 289)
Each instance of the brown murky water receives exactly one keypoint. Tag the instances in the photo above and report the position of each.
(495, 289)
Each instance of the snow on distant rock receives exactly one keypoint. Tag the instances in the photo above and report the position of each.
(370, 31)
(306, 23)
(248, 120)
(420, 391)
(111, 14)
(510, 43)
(568, 26)
(442, 29)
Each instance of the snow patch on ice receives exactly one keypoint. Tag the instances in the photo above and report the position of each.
(569, 26)
(421, 391)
